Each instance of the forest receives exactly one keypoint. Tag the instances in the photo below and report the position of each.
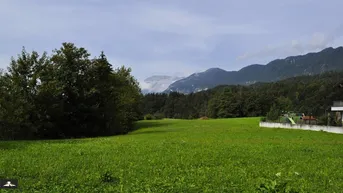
(66, 94)
(311, 95)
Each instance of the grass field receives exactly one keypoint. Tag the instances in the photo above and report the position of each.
(226, 155)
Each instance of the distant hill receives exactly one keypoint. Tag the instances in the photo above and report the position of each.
(329, 59)
(303, 94)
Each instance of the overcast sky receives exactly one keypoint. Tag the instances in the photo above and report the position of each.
(173, 37)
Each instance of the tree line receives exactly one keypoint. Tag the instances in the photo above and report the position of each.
(304, 94)
(66, 94)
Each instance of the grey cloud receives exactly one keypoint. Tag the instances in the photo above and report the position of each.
(166, 37)
(313, 43)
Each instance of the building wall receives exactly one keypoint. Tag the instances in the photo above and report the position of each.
(330, 129)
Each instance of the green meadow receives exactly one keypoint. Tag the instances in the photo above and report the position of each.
(223, 155)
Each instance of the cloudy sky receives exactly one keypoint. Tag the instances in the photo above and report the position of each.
(173, 37)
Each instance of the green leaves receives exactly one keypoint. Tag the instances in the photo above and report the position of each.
(279, 184)
(66, 94)
(304, 94)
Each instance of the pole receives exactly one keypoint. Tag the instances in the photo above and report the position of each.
(309, 120)
(327, 119)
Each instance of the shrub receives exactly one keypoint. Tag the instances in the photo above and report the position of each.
(148, 117)
(273, 113)
(158, 116)
(322, 120)
(263, 119)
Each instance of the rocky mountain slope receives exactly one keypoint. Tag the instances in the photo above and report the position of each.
(328, 59)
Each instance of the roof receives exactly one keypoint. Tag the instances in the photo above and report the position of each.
(336, 108)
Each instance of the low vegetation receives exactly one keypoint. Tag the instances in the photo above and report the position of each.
(222, 155)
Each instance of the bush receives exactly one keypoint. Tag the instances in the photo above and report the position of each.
(273, 113)
(148, 117)
(322, 120)
(158, 116)
(263, 119)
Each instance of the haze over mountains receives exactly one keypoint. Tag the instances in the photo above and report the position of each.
(159, 83)
(328, 59)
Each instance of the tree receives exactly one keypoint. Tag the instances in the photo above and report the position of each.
(303, 94)
(213, 107)
(284, 103)
(20, 86)
(127, 97)
(66, 95)
(273, 113)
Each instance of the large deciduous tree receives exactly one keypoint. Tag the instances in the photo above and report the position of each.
(67, 94)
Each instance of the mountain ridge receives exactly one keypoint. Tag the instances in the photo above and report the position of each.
(310, 63)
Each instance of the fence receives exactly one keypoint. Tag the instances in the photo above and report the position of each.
(329, 129)
(329, 119)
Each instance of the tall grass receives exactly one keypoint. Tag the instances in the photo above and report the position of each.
(224, 155)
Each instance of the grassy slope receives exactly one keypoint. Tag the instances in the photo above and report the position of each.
(231, 155)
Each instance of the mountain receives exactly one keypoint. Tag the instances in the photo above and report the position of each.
(158, 83)
(328, 59)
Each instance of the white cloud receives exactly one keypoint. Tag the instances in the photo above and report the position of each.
(179, 21)
(165, 37)
(153, 67)
(197, 28)
(68, 21)
(315, 42)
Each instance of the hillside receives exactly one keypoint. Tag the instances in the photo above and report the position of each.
(307, 94)
(312, 63)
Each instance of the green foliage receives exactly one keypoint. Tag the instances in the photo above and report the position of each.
(284, 104)
(216, 155)
(273, 114)
(158, 116)
(66, 94)
(305, 94)
(107, 177)
(280, 184)
(322, 120)
(148, 117)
